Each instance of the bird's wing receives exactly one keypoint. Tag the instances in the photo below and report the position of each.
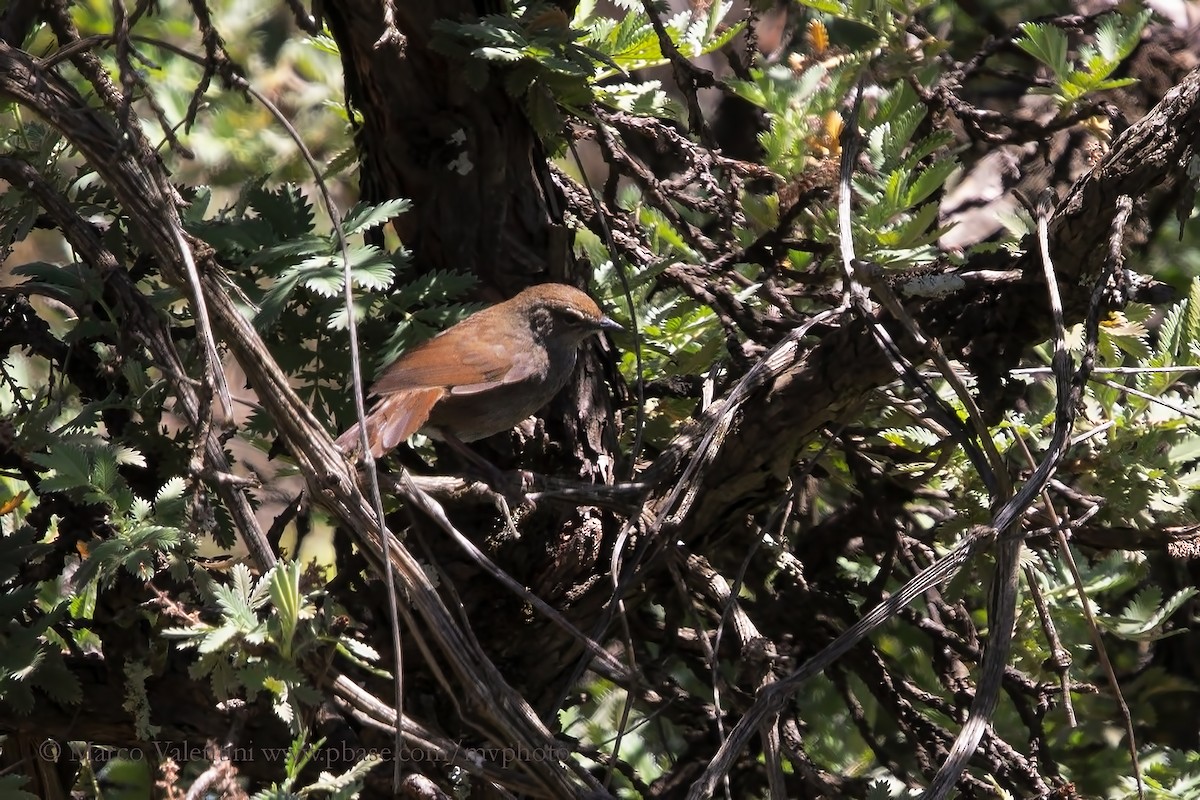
(461, 364)
(396, 417)
(399, 417)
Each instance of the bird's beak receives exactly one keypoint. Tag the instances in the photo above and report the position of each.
(609, 324)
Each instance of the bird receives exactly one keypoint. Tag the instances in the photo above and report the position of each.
(483, 375)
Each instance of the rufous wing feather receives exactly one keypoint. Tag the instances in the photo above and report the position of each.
(457, 358)
(396, 417)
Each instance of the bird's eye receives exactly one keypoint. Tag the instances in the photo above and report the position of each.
(574, 318)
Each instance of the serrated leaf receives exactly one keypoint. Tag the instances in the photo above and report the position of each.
(929, 181)
(325, 281)
(241, 581)
(1116, 37)
(282, 255)
(927, 146)
(155, 537)
(141, 509)
(543, 112)
(1115, 83)
(913, 437)
(1190, 333)
(915, 232)
(286, 209)
(104, 470)
(893, 191)
(1144, 604)
(585, 10)
(217, 639)
(237, 610)
(371, 268)
(172, 490)
(643, 99)
(366, 216)
(186, 633)
(359, 649)
(272, 303)
(1144, 618)
(285, 596)
(14, 600)
(72, 469)
(341, 162)
(129, 457)
(1047, 44)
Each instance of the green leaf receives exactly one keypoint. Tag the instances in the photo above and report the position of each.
(235, 606)
(286, 209)
(1047, 44)
(643, 99)
(323, 276)
(913, 232)
(272, 303)
(498, 53)
(286, 254)
(929, 145)
(1117, 83)
(285, 595)
(365, 216)
(585, 10)
(104, 470)
(833, 7)
(1117, 36)
(543, 113)
(1190, 333)
(218, 639)
(154, 537)
(71, 283)
(71, 465)
(893, 189)
(1144, 619)
(929, 181)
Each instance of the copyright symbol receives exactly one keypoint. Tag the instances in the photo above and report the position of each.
(49, 750)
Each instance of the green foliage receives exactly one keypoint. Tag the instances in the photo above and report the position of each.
(678, 335)
(264, 630)
(1168, 775)
(796, 105)
(1147, 615)
(1116, 37)
(631, 43)
(555, 65)
(142, 530)
(30, 656)
(883, 19)
(1139, 456)
(1143, 459)
(899, 223)
(303, 73)
(346, 786)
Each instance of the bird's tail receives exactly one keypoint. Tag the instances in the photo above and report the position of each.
(395, 418)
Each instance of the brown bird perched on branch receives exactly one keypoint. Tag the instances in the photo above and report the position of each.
(485, 374)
